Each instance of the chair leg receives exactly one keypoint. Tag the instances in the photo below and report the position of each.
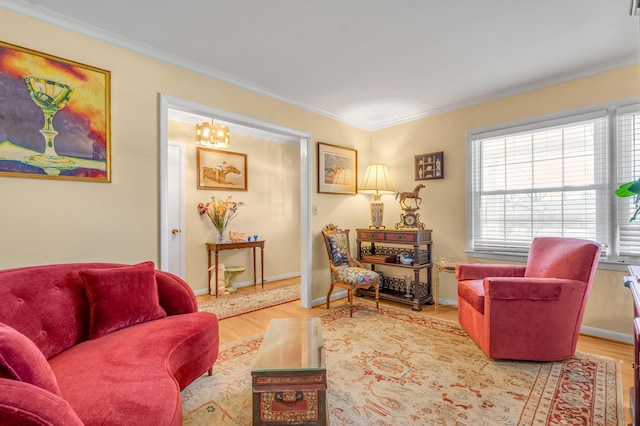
(377, 295)
(329, 296)
(350, 296)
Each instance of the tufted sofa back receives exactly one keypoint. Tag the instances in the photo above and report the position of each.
(48, 304)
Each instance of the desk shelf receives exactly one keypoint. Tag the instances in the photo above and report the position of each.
(393, 242)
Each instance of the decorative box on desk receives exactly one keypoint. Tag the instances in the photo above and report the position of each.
(383, 244)
(289, 377)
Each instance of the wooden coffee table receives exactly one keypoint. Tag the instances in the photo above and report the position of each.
(289, 376)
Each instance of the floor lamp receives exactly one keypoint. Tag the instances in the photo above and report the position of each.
(377, 182)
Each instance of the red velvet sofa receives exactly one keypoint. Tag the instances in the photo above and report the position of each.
(99, 344)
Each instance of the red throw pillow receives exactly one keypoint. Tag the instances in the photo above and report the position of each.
(120, 297)
(20, 359)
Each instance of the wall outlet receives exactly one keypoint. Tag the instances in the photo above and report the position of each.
(314, 210)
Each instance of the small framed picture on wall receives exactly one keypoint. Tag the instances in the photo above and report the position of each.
(429, 166)
(221, 169)
(337, 169)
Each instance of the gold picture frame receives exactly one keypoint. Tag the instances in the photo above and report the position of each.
(337, 169)
(429, 166)
(221, 169)
(55, 120)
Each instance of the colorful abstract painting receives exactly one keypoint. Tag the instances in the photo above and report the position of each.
(54, 117)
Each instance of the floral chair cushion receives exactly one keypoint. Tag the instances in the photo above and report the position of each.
(355, 276)
(339, 246)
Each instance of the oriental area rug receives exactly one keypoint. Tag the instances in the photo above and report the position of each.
(394, 367)
(230, 305)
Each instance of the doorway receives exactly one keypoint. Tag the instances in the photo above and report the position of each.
(168, 103)
(175, 210)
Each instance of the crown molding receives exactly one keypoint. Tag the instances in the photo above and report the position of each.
(515, 90)
(37, 12)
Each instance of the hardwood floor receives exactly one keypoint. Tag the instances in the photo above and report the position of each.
(245, 325)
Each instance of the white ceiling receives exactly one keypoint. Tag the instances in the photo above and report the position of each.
(370, 63)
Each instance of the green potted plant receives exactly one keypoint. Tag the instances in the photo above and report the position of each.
(631, 189)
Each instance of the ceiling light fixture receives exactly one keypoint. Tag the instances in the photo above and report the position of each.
(212, 135)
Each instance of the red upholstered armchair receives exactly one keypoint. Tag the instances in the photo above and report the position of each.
(531, 312)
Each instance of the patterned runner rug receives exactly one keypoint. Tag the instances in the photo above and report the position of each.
(393, 367)
(230, 305)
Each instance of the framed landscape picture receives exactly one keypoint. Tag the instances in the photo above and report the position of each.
(429, 166)
(54, 118)
(337, 169)
(221, 169)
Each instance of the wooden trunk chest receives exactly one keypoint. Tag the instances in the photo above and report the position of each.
(289, 377)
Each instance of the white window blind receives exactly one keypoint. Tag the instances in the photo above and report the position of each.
(628, 169)
(542, 179)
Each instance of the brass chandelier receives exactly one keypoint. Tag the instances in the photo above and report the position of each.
(212, 135)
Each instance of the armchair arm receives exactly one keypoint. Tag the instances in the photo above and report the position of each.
(535, 319)
(175, 295)
(355, 262)
(334, 270)
(520, 288)
(26, 404)
(479, 271)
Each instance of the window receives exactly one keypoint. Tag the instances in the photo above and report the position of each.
(628, 169)
(554, 177)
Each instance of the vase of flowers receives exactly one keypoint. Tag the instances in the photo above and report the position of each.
(221, 213)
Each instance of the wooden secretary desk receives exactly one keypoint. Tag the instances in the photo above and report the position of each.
(381, 248)
(633, 283)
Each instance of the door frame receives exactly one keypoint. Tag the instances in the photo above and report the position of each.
(169, 102)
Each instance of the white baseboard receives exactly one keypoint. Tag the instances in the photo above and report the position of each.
(607, 334)
(448, 302)
(589, 331)
(250, 282)
(334, 296)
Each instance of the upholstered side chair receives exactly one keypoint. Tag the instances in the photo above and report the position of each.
(529, 312)
(346, 272)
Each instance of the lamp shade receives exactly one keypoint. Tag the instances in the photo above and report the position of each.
(376, 180)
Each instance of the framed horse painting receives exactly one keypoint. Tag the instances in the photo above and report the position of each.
(221, 169)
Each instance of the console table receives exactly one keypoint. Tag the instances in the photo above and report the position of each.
(446, 264)
(383, 246)
(230, 245)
